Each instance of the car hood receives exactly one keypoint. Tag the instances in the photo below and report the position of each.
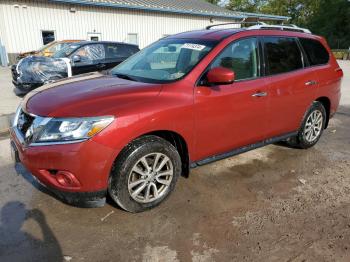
(91, 94)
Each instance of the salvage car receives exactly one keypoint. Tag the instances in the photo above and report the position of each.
(77, 58)
(182, 102)
(49, 49)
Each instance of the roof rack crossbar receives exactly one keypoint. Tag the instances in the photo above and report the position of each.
(235, 23)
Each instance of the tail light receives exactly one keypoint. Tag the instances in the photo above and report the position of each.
(339, 72)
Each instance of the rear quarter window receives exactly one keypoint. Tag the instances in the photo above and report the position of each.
(316, 53)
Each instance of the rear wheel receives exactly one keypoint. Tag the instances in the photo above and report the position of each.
(311, 128)
(144, 174)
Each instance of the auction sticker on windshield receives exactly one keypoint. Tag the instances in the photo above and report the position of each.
(193, 46)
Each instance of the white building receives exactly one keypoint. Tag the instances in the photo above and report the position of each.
(27, 24)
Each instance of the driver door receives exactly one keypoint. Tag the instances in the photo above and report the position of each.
(89, 58)
(231, 116)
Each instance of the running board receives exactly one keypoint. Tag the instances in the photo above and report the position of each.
(242, 150)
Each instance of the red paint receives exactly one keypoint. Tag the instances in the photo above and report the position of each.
(211, 119)
(220, 75)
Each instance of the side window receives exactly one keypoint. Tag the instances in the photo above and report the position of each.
(241, 57)
(113, 51)
(90, 54)
(283, 55)
(316, 53)
(127, 50)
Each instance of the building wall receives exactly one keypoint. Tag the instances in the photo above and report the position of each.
(22, 21)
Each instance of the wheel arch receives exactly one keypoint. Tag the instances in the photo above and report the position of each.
(326, 102)
(179, 143)
(174, 138)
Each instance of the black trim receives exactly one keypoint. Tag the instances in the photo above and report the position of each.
(78, 199)
(242, 150)
(81, 199)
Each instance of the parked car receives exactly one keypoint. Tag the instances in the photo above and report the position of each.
(49, 49)
(184, 101)
(77, 58)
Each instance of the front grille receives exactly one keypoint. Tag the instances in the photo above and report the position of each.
(24, 122)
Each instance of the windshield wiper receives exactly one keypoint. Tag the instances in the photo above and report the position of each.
(123, 76)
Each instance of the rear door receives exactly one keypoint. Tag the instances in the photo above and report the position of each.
(292, 84)
(114, 55)
(88, 58)
(117, 53)
(235, 115)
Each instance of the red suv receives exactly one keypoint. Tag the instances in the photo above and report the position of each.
(184, 101)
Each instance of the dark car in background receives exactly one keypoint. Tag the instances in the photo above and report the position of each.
(49, 49)
(77, 58)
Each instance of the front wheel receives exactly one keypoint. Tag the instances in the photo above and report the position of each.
(311, 128)
(144, 174)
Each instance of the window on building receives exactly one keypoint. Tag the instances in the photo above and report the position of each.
(283, 55)
(133, 39)
(48, 36)
(241, 57)
(315, 51)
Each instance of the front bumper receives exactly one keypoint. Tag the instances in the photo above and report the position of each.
(89, 163)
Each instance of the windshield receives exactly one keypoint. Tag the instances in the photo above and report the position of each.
(66, 51)
(164, 61)
(46, 46)
(58, 47)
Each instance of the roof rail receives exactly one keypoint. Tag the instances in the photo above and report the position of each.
(294, 28)
(236, 23)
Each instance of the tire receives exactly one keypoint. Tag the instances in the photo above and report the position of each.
(303, 139)
(129, 174)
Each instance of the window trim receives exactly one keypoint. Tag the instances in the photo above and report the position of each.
(260, 59)
(266, 59)
(312, 66)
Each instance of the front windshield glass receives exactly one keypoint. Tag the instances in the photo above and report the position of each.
(58, 47)
(66, 51)
(164, 61)
(46, 46)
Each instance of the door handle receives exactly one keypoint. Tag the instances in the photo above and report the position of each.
(311, 83)
(260, 94)
(101, 65)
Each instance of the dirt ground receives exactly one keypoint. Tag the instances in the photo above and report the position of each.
(270, 204)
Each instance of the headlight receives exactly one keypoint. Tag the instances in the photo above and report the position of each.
(68, 129)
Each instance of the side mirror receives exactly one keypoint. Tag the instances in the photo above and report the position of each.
(76, 58)
(220, 76)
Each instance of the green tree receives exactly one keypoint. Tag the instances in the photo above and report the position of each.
(251, 6)
(330, 19)
(215, 2)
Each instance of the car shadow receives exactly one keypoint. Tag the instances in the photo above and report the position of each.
(22, 171)
(18, 245)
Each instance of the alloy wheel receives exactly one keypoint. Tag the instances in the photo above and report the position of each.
(313, 126)
(150, 177)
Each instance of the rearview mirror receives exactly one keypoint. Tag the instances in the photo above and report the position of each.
(76, 58)
(220, 76)
(171, 48)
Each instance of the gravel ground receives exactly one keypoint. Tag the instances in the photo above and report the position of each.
(270, 204)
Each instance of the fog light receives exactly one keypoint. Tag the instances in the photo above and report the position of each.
(67, 179)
